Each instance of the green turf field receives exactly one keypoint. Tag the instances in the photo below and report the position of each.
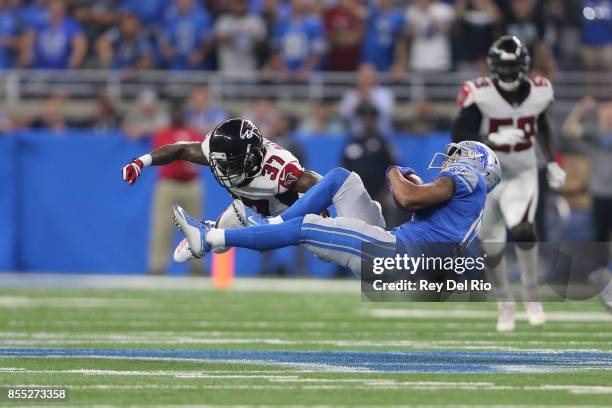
(285, 346)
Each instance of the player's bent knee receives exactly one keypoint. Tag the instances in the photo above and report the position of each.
(339, 174)
(524, 235)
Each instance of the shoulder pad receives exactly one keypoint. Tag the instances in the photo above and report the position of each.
(467, 94)
(543, 85)
(462, 174)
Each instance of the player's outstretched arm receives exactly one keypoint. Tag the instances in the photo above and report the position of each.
(188, 151)
(412, 197)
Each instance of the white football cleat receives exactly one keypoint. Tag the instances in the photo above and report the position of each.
(535, 313)
(194, 230)
(505, 316)
(182, 253)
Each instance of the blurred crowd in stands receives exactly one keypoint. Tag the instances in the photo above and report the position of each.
(295, 37)
(286, 41)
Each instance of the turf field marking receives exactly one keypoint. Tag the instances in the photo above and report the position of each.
(348, 384)
(152, 373)
(15, 302)
(65, 280)
(68, 339)
(482, 314)
(356, 361)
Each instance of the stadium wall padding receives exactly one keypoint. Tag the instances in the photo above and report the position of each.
(64, 207)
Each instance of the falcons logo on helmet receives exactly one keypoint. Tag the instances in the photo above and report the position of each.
(248, 130)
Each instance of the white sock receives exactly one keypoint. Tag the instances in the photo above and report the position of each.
(216, 237)
(276, 220)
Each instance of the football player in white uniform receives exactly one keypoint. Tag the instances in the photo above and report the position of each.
(259, 174)
(506, 111)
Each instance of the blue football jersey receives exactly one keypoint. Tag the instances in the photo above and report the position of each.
(297, 39)
(383, 30)
(456, 220)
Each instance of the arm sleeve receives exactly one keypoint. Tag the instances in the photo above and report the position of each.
(467, 124)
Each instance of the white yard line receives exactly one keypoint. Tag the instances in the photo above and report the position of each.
(348, 384)
(15, 302)
(36, 280)
(483, 314)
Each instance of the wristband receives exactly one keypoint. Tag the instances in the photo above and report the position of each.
(146, 160)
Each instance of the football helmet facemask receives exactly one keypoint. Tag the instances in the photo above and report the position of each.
(476, 155)
(236, 152)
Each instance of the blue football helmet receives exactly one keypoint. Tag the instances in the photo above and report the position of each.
(474, 154)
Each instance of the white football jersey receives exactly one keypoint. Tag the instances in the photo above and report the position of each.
(498, 113)
(270, 192)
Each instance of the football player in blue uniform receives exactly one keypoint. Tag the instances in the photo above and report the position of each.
(447, 210)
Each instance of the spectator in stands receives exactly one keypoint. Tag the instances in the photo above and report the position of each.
(201, 115)
(186, 36)
(149, 12)
(426, 119)
(298, 43)
(263, 114)
(10, 36)
(145, 117)
(597, 135)
(33, 14)
(125, 47)
(368, 90)
(96, 17)
(525, 20)
(429, 23)
(597, 34)
(478, 23)
(384, 45)
(6, 123)
(106, 116)
(58, 43)
(178, 183)
(344, 28)
(564, 18)
(239, 35)
(367, 152)
(271, 11)
(321, 121)
(51, 116)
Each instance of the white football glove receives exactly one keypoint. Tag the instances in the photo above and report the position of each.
(505, 137)
(555, 175)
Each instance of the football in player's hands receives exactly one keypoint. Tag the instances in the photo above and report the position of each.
(132, 171)
(406, 172)
(507, 137)
(414, 178)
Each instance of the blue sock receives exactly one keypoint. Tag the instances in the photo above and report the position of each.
(319, 197)
(265, 237)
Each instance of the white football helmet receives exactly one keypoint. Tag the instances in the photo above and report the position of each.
(476, 155)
